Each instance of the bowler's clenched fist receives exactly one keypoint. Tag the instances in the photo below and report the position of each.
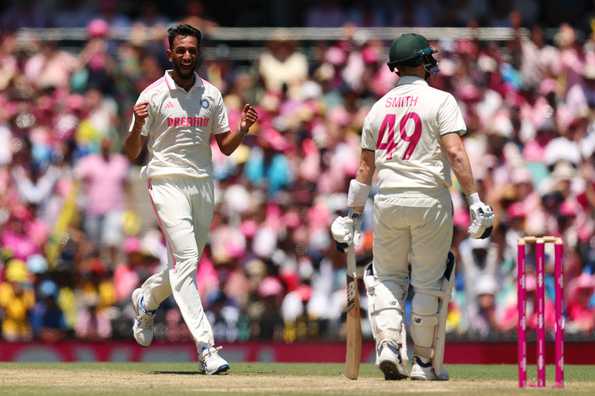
(248, 117)
(141, 112)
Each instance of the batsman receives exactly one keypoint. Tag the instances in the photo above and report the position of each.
(412, 138)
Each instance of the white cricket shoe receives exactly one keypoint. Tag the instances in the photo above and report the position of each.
(211, 362)
(143, 322)
(423, 371)
(388, 359)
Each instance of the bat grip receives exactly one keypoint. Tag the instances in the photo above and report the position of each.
(352, 214)
(355, 217)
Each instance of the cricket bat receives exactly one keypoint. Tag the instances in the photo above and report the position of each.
(353, 351)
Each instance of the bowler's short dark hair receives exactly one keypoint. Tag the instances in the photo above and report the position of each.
(182, 30)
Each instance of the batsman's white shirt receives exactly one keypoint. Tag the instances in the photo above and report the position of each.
(180, 125)
(404, 129)
(179, 128)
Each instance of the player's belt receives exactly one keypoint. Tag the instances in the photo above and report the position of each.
(415, 192)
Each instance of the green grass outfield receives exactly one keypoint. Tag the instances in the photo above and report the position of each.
(266, 379)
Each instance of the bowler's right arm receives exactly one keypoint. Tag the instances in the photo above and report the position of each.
(135, 140)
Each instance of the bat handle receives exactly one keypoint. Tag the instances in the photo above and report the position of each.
(355, 216)
(352, 214)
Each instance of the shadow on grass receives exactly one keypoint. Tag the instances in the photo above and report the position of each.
(175, 372)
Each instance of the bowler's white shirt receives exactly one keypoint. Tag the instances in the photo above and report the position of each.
(180, 125)
(404, 129)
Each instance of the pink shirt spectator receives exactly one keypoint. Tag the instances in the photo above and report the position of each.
(21, 245)
(50, 68)
(509, 318)
(207, 278)
(104, 182)
(580, 291)
(581, 316)
(126, 280)
(92, 325)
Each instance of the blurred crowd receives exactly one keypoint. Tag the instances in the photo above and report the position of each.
(311, 13)
(77, 234)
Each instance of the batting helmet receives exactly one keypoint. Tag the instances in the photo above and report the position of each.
(412, 49)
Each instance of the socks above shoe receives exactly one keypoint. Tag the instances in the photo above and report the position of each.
(423, 362)
(143, 309)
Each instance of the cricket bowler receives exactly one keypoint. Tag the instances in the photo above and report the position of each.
(412, 137)
(175, 117)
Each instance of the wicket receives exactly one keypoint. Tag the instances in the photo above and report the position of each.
(540, 308)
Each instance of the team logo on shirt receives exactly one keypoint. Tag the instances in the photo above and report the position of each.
(169, 105)
(204, 104)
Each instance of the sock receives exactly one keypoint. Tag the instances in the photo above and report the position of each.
(202, 346)
(423, 362)
(141, 305)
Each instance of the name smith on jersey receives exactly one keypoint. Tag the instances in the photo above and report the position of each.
(401, 101)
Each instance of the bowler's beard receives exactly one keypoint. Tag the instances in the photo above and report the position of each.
(184, 73)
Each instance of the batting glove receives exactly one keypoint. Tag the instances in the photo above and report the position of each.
(482, 218)
(344, 232)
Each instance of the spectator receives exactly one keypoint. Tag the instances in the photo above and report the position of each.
(17, 235)
(92, 324)
(27, 13)
(479, 260)
(326, 13)
(126, 274)
(268, 163)
(270, 271)
(16, 301)
(47, 319)
(115, 19)
(581, 317)
(195, 16)
(104, 177)
(151, 15)
(50, 67)
(72, 13)
(483, 320)
(282, 65)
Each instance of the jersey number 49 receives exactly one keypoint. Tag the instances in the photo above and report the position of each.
(390, 144)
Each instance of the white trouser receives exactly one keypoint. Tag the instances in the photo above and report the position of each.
(184, 209)
(412, 227)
